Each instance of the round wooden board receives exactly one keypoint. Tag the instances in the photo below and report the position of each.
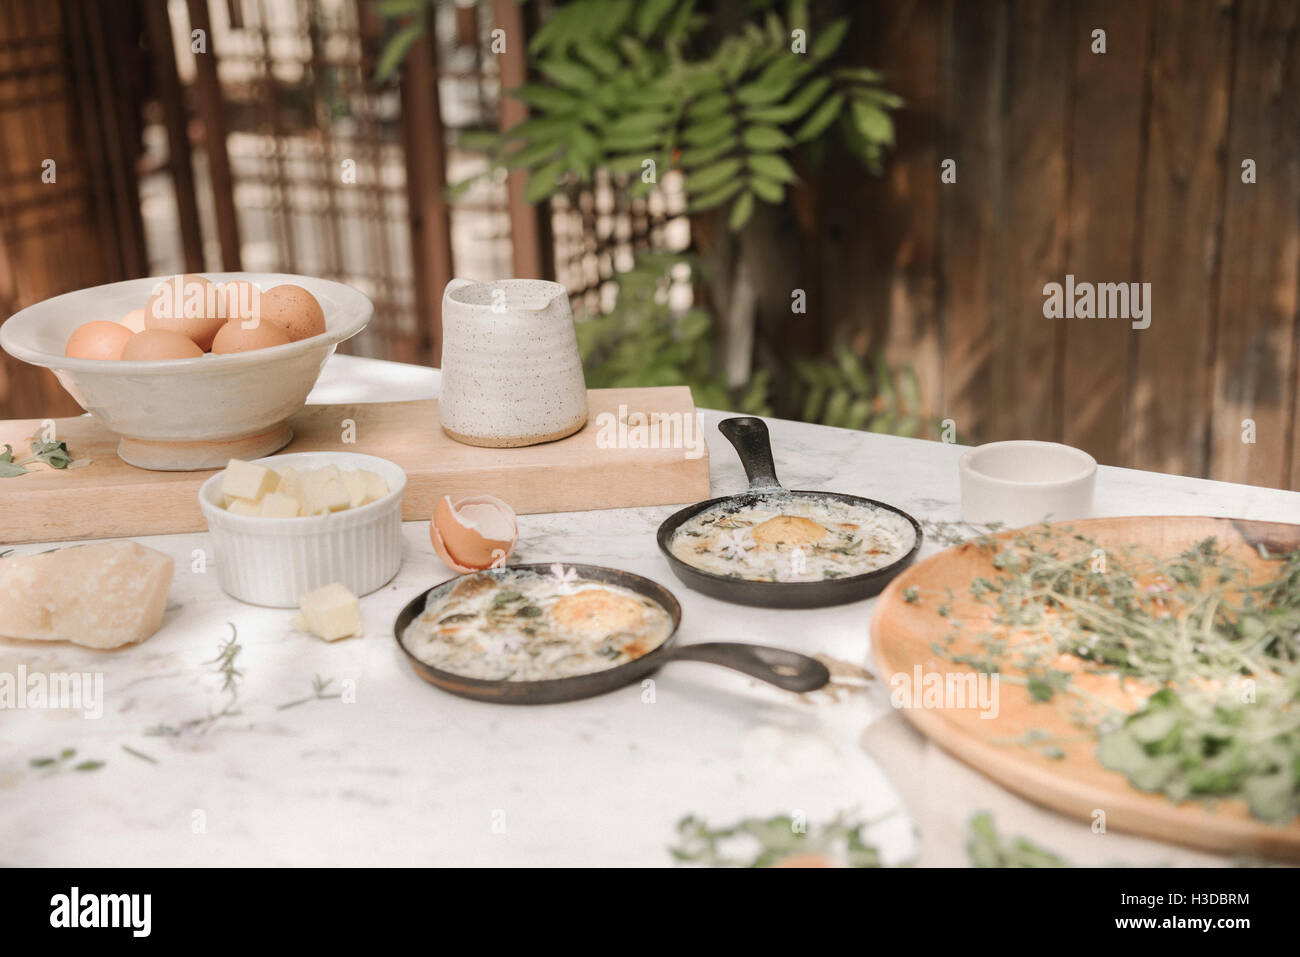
(902, 634)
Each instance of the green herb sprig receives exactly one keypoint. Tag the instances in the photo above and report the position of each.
(756, 842)
(1223, 652)
(61, 761)
(319, 692)
(227, 654)
(53, 454)
(759, 842)
(987, 848)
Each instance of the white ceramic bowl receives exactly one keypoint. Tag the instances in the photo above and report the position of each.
(1021, 482)
(275, 561)
(181, 414)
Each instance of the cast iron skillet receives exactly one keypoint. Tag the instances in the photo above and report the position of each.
(785, 669)
(750, 438)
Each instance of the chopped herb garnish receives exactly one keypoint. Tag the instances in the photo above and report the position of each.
(453, 619)
(1216, 650)
(61, 762)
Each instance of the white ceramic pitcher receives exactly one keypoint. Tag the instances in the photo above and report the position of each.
(511, 373)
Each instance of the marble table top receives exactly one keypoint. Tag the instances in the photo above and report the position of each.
(399, 773)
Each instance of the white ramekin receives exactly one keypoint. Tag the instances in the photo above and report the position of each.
(1021, 482)
(274, 561)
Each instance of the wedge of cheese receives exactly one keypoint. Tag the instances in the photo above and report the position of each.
(102, 596)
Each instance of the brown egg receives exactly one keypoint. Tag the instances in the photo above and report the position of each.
(98, 339)
(295, 310)
(186, 304)
(239, 299)
(474, 533)
(233, 337)
(134, 320)
(160, 344)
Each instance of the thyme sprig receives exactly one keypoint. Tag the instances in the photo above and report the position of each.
(319, 691)
(952, 533)
(227, 654)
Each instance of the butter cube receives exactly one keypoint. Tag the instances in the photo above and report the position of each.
(326, 472)
(243, 506)
(355, 483)
(331, 613)
(330, 495)
(279, 505)
(376, 487)
(290, 481)
(307, 496)
(246, 480)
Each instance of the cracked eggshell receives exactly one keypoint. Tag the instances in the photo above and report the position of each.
(474, 533)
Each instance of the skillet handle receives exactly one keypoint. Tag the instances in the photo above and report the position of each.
(749, 436)
(776, 666)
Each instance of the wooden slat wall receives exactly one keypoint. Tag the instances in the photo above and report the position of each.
(1255, 360)
(1182, 215)
(900, 292)
(1107, 160)
(66, 89)
(974, 49)
(1025, 400)
(1116, 167)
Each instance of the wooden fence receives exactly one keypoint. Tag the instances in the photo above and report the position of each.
(69, 207)
(1123, 166)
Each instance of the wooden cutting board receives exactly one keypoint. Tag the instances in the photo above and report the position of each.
(588, 470)
(902, 634)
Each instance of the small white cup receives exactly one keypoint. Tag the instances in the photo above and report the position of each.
(1022, 482)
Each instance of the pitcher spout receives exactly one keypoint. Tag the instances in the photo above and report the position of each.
(506, 295)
